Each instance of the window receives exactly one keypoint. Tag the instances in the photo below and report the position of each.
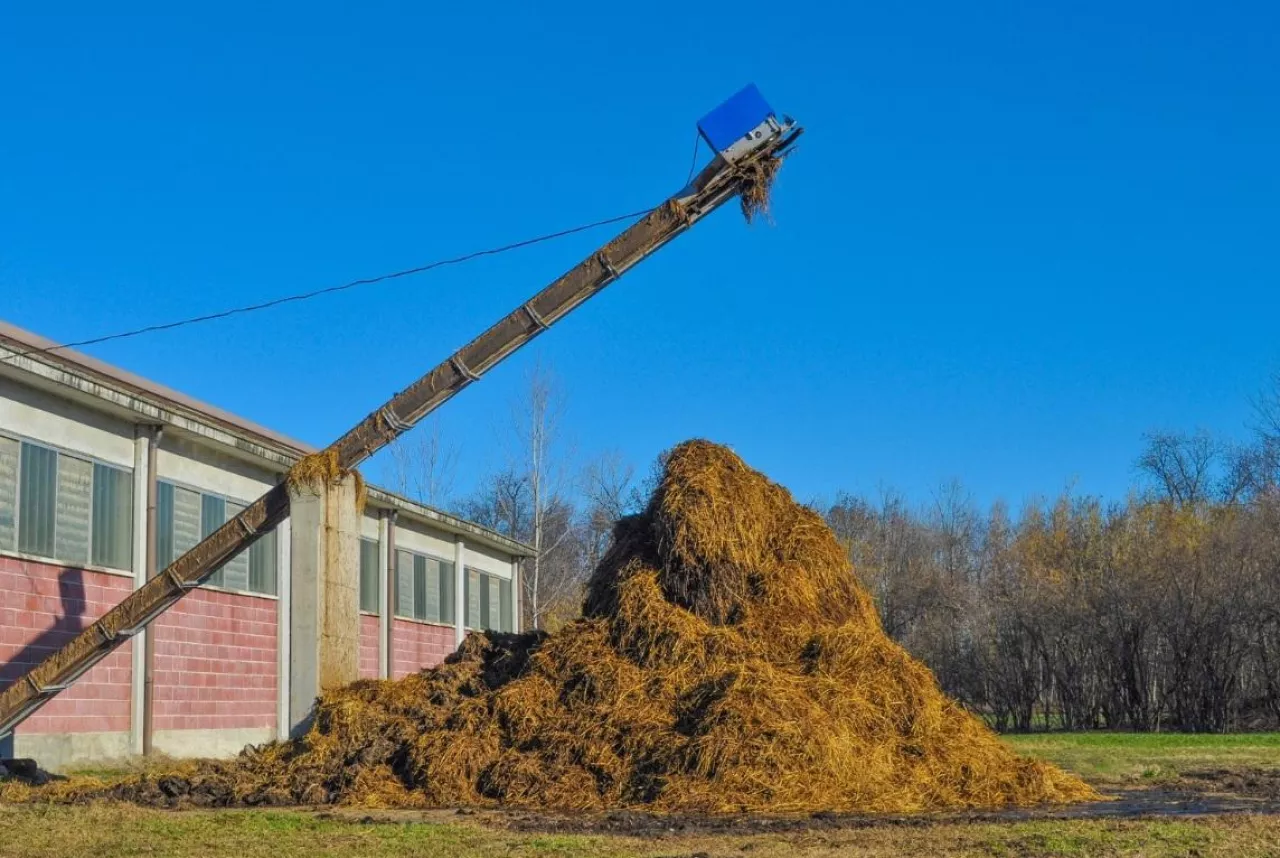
(489, 603)
(369, 575)
(37, 505)
(112, 524)
(262, 565)
(8, 492)
(63, 507)
(506, 605)
(424, 587)
(213, 514)
(235, 574)
(184, 517)
(472, 600)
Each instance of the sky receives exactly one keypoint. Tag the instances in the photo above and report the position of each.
(1015, 237)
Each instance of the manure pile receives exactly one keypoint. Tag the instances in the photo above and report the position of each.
(728, 660)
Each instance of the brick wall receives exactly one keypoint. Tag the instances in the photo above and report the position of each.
(370, 628)
(419, 645)
(42, 606)
(216, 662)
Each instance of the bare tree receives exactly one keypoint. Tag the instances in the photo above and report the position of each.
(1266, 459)
(540, 457)
(609, 490)
(424, 465)
(1181, 465)
(1267, 406)
(500, 503)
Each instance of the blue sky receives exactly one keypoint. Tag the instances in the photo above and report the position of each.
(1015, 237)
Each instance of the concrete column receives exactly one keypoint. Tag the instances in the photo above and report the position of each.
(324, 621)
(459, 591)
(385, 608)
(517, 624)
(284, 603)
(138, 673)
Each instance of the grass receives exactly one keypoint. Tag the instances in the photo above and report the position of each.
(1106, 759)
(1126, 759)
(116, 831)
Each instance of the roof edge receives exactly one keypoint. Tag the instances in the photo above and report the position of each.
(38, 349)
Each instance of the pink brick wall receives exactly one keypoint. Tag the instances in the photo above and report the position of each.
(419, 645)
(216, 662)
(42, 606)
(369, 630)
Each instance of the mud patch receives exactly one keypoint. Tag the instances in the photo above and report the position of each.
(1243, 783)
(1206, 799)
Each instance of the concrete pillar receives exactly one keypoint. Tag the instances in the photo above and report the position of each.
(284, 618)
(324, 621)
(138, 673)
(385, 608)
(459, 591)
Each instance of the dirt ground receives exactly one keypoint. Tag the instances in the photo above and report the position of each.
(1194, 794)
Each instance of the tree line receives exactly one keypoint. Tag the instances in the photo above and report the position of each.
(1158, 612)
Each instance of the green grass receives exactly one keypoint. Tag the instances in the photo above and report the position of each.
(111, 830)
(1107, 759)
(1135, 758)
(116, 831)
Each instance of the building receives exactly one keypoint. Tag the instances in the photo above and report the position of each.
(81, 445)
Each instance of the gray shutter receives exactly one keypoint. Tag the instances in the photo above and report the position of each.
(473, 599)
(71, 530)
(8, 494)
(504, 597)
(404, 584)
(432, 589)
(164, 525)
(369, 575)
(262, 565)
(112, 517)
(446, 592)
(419, 587)
(495, 603)
(213, 514)
(235, 575)
(186, 521)
(37, 489)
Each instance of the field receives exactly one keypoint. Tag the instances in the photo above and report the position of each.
(1183, 795)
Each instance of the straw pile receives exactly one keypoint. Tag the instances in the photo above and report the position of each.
(757, 187)
(312, 473)
(728, 660)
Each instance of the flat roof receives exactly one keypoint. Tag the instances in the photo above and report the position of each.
(38, 348)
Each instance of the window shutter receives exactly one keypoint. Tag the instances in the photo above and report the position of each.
(8, 494)
(262, 565)
(404, 584)
(112, 517)
(164, 525)
(431, 589)
(504, 598)
(473, 599)
(235, 575)
(213, 514)
(37, 488)
(495, 604)
(369, 575)
(186, 522)
(71, 520)
(447, 593)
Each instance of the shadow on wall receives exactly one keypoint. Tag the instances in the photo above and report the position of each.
(67, 624)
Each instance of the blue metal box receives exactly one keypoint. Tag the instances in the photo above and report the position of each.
(741, 114)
